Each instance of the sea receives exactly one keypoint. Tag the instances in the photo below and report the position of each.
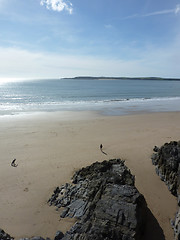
(107, 96)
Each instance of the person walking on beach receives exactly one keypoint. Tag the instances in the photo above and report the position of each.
(13, 164)
(101, 146)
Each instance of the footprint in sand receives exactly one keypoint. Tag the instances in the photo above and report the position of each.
(26, 189)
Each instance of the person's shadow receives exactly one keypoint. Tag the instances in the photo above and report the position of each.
(103, 152)
(101, 148)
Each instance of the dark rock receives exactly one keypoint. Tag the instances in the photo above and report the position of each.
(105, 201)
(24, 238)
(59, 235)
(155, 149)
(4, 235)
(177, 225)
(34, 238)
(167, 162)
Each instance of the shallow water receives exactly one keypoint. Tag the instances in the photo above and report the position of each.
(112, 97)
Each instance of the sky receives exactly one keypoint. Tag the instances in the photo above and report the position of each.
(61, 38)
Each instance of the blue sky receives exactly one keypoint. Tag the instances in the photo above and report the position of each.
(60, 38)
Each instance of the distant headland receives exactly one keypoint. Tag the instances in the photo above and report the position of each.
(122, 78)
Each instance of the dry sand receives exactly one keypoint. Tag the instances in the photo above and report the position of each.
(49, 147)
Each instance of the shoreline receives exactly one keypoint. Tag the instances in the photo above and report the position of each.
(111, 107)
(50, 147)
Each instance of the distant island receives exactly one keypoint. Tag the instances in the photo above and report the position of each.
(123, 78)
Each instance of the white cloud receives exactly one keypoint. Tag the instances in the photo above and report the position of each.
(159, 13)
(19, 63)
(177, 9)
(58, 5)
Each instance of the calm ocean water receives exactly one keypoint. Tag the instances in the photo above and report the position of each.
(113, 97)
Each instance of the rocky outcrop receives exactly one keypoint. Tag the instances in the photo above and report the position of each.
(167, 159)
(58, 236)
(5, 236)
(167, 162)
(34, 238)
(105, 201)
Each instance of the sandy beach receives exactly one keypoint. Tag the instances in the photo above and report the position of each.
(49, 147)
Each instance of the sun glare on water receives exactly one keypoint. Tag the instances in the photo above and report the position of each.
(7, 80)
(10, 80)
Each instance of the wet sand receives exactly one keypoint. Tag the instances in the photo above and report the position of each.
(49, 147)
